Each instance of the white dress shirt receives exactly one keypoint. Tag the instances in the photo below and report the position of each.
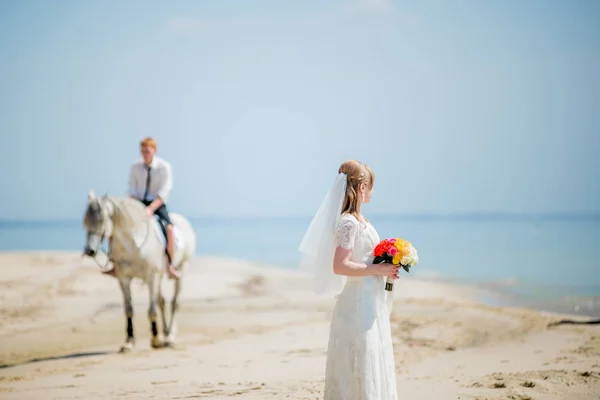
(161, 181)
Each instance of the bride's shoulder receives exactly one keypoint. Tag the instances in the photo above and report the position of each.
(348, 219)
(348, 223)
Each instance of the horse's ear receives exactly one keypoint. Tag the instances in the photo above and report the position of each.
(105, 195)
(91, 195)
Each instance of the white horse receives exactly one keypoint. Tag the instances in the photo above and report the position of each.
(137, 250)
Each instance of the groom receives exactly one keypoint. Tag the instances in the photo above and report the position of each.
(150, 181)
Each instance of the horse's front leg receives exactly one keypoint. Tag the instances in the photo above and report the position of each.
(154, 290)
(125, 284)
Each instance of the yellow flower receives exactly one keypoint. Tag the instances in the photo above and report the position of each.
(399, 245)
(403, 247)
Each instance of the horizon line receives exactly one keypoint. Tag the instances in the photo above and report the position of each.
(499, 215)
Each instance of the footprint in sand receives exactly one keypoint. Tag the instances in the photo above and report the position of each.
(16, 378)
(163, 382)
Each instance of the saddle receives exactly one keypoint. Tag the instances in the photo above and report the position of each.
(161, 228)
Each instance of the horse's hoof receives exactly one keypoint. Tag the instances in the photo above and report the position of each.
(170, 340)
(156, 343)
(126, 348)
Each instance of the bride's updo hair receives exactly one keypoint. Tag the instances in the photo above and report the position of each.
(356, 173)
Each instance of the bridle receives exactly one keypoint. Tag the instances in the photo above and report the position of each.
(103, 236)
(108, 259)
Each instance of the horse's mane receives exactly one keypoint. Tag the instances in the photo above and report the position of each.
(128, 213)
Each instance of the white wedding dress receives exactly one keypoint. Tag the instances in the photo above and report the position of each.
(360, 356)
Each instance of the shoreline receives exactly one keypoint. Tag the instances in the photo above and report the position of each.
(498, 293)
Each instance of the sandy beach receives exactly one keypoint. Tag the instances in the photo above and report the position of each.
(257, 332)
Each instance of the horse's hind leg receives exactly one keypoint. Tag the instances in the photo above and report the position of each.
(125, 284)
(163, 315)
(154, 290)
(172, 331)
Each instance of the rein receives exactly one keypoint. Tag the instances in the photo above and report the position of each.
(108, 259)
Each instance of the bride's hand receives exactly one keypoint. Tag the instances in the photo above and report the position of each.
(389, 270)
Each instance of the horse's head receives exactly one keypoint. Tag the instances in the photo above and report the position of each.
(97, 222)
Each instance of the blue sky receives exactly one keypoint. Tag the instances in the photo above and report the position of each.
(462, 106)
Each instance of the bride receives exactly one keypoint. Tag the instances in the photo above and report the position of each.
(338, 249)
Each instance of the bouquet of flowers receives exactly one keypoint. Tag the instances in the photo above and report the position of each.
(398, 252)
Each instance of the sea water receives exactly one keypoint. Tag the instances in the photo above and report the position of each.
(548, 263)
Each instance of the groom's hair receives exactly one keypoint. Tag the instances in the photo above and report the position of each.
(148, 142)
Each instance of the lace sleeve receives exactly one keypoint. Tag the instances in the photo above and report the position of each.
(345, 233)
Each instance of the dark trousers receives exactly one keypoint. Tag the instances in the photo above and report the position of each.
(163, 218)
(161, 212)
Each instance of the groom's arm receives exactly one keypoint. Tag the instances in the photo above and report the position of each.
(131, 184)
(157, 202)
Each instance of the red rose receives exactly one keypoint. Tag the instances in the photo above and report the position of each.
(385, 246)
(382, 248)
(378, 250)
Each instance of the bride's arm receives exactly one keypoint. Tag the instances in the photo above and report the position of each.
(345, 235)
(343, 265)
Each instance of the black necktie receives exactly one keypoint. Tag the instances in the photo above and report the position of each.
(147, 184)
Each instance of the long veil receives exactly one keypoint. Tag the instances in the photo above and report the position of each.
(318, 244)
